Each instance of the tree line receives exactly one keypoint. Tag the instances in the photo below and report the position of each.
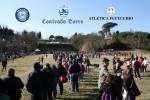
(103, 39)
(12, 42)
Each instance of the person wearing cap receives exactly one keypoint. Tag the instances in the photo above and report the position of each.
(103, 72)
(12, 85)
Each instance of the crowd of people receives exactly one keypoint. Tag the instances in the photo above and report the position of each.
(120, 83)
(43, 81)
(11, 86)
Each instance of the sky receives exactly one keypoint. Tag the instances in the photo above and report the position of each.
(78, 10)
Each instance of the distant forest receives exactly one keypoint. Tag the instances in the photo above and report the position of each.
(11, 41)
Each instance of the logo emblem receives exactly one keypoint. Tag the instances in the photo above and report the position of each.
(22, 14)
(63, 11)
(111, 11)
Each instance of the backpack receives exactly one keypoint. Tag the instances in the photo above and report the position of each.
(106, 96)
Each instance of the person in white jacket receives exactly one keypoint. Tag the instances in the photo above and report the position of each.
(145, 63)
(103, 72)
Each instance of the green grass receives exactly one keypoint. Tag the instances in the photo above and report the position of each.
(88, 87)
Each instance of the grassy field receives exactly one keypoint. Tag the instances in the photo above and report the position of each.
(88, 87)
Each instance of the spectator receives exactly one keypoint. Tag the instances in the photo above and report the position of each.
(61, 73)
(87, 64)
(128, 62)
(114, 63)
(4, 64)
(12, 85)
(145, 63)
(103, 72)
(137, 65)
(49, 80)
(36, 84)
(82, 69)
(141, 59)
(130, 88)
(118, 80)
(74, 71)
(118, 66)
(42, 59)
(107, 89)
(55, 81)
(133, 61)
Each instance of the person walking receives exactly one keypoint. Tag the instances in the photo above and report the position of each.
(130, 88)
(54, 91)
(12, 85)
(74, 71)
(145, 63)
(49, 79)
(137, 66)
(87, 63)
(103, 72)
(118, 80)
(114, 63)
(4, 64)
(108, 89)
(42, 59)
(62, 73)
(36, 83)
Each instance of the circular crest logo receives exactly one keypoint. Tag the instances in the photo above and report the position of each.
(22, 14)
(111, 11)
(63, 11)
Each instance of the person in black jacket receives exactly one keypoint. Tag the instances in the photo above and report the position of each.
(49, 79)
(4, 64)
(12, 85)
(54, 91)
(61, 72)
(36, 84)
(118, 79)
(137, 66)
(130, 85)
(74, 71)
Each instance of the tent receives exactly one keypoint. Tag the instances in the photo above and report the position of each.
(37, 50)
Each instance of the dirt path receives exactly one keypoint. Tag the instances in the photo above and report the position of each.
(88, 88)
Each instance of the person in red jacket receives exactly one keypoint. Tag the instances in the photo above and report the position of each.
(141, 59)
(62, 72)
